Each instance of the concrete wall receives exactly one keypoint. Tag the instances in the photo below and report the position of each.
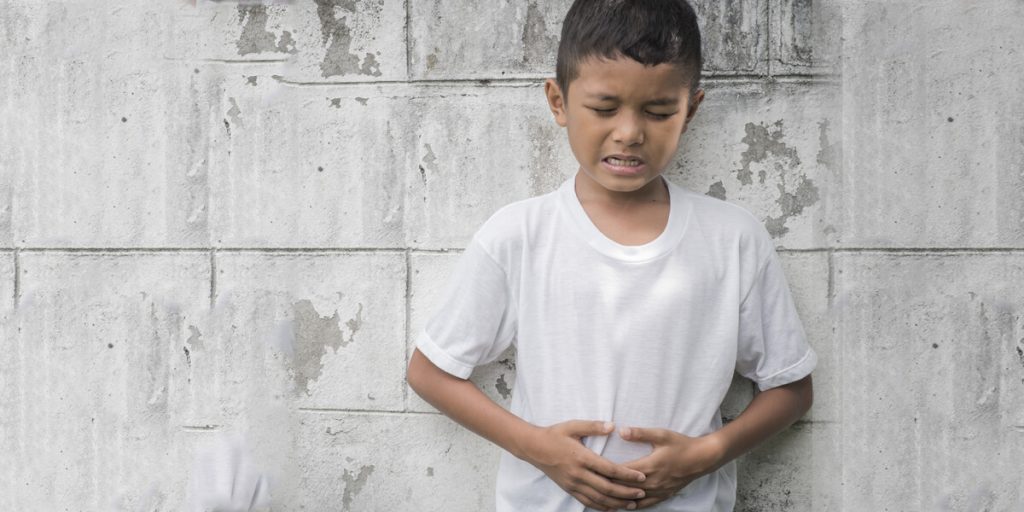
(223, 216)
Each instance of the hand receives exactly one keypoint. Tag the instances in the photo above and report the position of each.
(559, 452)
(676, 461)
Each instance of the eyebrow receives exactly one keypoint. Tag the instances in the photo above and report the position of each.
(659, 101)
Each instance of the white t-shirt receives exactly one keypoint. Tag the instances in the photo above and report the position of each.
(647, 335)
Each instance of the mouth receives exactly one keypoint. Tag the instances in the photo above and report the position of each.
(624, 165)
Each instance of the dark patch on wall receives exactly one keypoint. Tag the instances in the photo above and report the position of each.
(762, 142)
(335, 33)
(255, 37)
(828, 153)
(250, 80)
(335, 102)
(427, 163)
(717, 189)
(362, 101)
(314, 334)
(791, 204)
(508, 363)
(354, 484)
(502, 387)
(537, 42)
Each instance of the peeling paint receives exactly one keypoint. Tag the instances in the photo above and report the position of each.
(508, 363)
(335, 102)
(502, 387)
(234, 113)
(430, 471)
(431, 60)
(717, 189)
(314, 334)
(761, 143)
(250, 80)
(339, 60)
(255, 38)
(353, 485)
(791, 204)
(362, 101)
(428, 161)
(828, 153)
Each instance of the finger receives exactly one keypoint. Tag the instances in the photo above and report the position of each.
(643, 435)
(582, 428)
(613, 490)
(582, 498)
(604, 500)
(612, 470)
(653, 500)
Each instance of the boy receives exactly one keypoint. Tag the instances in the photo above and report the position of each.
(631, 301)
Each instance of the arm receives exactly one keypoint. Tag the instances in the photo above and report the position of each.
(557, 450)
(678, 459)
(768, 413)
(462, 401)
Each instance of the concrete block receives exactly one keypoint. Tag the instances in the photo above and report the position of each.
(292, 331)
(309, 167)
(91, 359)
(808, 276)
(932, 145)
(735, 36)
(799, 469)
(318, 41)
(407, 462)
(467, 39)
(475, 150)
(805, 37)
(932, 379)
(771, 148)
(8, 369)
(110, 139)
(430, 273)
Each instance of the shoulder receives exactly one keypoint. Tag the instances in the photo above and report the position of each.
(728, 225)
(506, 230)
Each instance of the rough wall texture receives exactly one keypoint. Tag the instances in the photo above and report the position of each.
(235, 216)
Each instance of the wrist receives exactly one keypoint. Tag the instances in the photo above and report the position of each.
(522, 445)
(716, 450)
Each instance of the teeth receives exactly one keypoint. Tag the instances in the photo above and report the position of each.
(627, 163)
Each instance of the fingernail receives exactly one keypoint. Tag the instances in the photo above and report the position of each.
(625, 431)
(643, 477)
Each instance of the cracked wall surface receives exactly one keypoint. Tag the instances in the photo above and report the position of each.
(223, 216)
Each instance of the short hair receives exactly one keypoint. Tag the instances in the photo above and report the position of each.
(651, 32)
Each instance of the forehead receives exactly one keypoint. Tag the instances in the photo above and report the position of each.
(627, 79)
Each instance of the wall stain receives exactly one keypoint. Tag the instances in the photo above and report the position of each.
(362, 101)
(537, 42)
(508, 363)
(335, 102)
(717, 189)
(761, 143)
(250, 80)
(234, 113)
(314, 334)
(338, 59)
(430, 471)
(428, 160)
(431, 60)
(353, 485)
(791, 204)
(828, 153)
(255, 37)
(502, 387)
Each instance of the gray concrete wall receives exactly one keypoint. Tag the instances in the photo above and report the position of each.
(223, 216)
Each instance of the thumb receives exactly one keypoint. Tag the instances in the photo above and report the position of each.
(578, 428)
(645, 435)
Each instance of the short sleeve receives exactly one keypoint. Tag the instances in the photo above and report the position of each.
(475, 319)
(773, 348)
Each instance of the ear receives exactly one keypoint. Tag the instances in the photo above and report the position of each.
(691, 109)
(556, 101)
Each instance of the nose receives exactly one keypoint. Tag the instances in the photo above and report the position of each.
(629, 130)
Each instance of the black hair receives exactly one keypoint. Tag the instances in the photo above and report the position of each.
(651, 32)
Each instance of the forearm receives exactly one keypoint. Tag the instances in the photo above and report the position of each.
(463, 402)
(767, 414)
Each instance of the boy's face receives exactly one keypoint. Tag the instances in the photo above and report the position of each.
(622, 107)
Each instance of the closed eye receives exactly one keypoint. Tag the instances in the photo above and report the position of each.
(609, 111)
